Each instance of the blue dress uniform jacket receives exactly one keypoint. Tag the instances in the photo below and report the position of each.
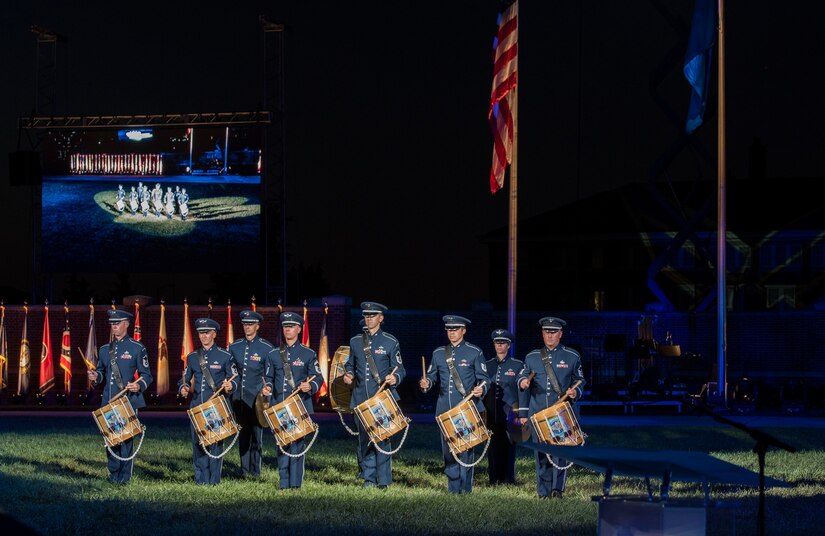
(503, 396)
(566, 363)
(376, 467)
(250, 358)
(303, 363)
(472, 369)
(221, 367)
(130, 357)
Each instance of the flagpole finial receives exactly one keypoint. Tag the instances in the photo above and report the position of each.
(113, 303)
(91, 301)
(305, 303)
(185, 300)
(46, 303)
(210, 302)
(279, 301)
(253, 298)
(228, 301)
(162, 301)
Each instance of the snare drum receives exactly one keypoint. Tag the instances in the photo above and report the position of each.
(289, 420)
(557, 425)
(340, 394)
(212, 421)
(516, 431)
(462, 427)
(117, 421)
(381, 417)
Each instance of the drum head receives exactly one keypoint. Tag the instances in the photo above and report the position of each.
(261, 405)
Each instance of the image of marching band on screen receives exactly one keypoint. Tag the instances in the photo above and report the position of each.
(146, 200)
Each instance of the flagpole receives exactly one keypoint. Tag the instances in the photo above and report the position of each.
(721, 233)
(512, 248)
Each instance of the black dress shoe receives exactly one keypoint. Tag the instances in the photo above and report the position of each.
(556, 494)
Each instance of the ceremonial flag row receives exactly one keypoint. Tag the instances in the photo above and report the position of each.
(90, 358)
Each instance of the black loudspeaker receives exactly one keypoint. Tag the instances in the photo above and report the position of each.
(24, 168)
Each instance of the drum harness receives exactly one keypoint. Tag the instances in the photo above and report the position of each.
(119, 381)
(211, 383)
(554, 383)
(374, 371)
(460, 386)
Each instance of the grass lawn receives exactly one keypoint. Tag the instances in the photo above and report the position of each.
(53, 477)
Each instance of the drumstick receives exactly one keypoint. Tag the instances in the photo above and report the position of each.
(88, 364)
(307, 380)
(385, 381)
(423, 368)
(562, 399)
(119, 394)
(468, 397)
(221, 389)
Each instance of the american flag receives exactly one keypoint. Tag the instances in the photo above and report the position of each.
(505, 78)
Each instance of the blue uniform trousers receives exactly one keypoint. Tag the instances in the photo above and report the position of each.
(501, 458)
(121, 471)
(207, 469)
(548, 478)
(376, 467)
(250, 441)
(459, 478)
(291, 469)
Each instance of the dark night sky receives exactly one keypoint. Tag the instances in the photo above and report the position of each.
(389, 149)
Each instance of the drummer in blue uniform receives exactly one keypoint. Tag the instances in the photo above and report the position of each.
(211, 368)
(119, 360)
(250, 355)
(557, 369)
(373, 355)
(503, 397)
(458, 369)
(298, 364)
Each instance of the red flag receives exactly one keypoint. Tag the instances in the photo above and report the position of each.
(323, 356)
(91, 343)
(4, 350)
(46, 361)
(66, 354)
(24, 369)
(136, 332)
(305, 332)
(186, 347)
(163, 355)
(505, 79)
(230, 333)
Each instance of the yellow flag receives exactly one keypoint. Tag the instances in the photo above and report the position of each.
(163, 355)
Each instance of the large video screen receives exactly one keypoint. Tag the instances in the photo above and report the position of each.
(170, 199)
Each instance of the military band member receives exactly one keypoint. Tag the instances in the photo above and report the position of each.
(556, 369)
(169, 202)
(502, 397)
(157, 199)
(374, 355)
(133, 201)
(184, 204)
(458, 369)
(211, 368)
(250, 355)
(143, 197)
(298, 364)
(119, 360)
(120, 199)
